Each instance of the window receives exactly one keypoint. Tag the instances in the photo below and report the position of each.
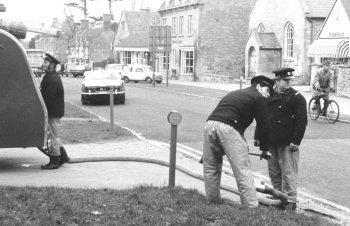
(261, 28)
(181, 25)
(139, 69)
(187, 63)
(165, 61)
(289, 41)
(127, 57)
(189, 25)
(173, 25)
(173, 58)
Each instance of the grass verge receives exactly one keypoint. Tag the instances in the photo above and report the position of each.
(143, 205)
(79, 126)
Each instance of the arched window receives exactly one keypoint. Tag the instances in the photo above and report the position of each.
(289, 41)
(261, 28)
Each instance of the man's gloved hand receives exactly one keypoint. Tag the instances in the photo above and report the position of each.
(265, 155)
(331, 89)
(256, 143)
(294, 147)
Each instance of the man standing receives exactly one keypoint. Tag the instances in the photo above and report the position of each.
(52, 91)
(223, 135)
(323, 84)
(288, 120)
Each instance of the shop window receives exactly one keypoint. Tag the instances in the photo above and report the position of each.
(289, 41)
(165, 61)
(127, 57)
(187, 62)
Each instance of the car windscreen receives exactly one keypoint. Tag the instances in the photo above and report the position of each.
(101, 75)
(115, 66)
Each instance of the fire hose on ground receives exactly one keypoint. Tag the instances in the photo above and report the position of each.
(263, 188)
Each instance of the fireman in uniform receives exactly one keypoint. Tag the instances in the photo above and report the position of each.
(224, 135)
(288, 120)
(52, 91)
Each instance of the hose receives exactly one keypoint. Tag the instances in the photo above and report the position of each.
(262, 200)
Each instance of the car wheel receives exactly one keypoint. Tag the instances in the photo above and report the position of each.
(126, 79)
(83, 101)
(159, 81)
(148, 80)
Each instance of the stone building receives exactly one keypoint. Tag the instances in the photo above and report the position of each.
(208, 37)
(281, 33)
(91, 43)
(131, 42)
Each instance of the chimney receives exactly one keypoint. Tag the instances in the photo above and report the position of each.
(54, 20)
(76, 25)
(107, 22)
(147, 10)
(84, 24)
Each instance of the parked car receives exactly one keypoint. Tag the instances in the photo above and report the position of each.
(96, 87)
(76, 70)
(117, 68)
(136, 72)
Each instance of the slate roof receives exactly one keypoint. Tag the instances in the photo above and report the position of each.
(141, 20)
(320, 8)
(346, 4)
(269, 40)
(135, 40)
(172, 4)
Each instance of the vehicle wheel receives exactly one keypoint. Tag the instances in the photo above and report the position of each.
(83, 101)
(136, 81)
(332, 111)
(75, 75)
(148, 80)
(126, 79)
(159, 81)
(314, 109)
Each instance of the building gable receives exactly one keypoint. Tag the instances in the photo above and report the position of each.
(337, 20)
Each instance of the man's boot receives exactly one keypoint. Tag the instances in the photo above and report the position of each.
(64, 157)
(53, 164)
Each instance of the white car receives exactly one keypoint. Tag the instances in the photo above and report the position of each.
(136, 72)
(96, 86)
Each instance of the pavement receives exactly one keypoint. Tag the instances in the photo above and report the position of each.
(113, 170)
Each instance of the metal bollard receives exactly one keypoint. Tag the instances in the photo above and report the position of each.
(240, 82)
(174, 118)
(111, 104)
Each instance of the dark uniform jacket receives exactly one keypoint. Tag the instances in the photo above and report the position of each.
(288, 117)
(51, 89)
(238, 110)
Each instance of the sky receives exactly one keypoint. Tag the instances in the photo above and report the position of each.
(42, 11)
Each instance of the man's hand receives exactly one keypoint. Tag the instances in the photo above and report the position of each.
(294, 147)
(265, 155)
(256, 143)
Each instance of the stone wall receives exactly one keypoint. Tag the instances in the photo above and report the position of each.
(222, 34)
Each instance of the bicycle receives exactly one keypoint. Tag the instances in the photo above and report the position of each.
(315, 109)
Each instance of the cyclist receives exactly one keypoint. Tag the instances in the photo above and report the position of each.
(323, 84)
